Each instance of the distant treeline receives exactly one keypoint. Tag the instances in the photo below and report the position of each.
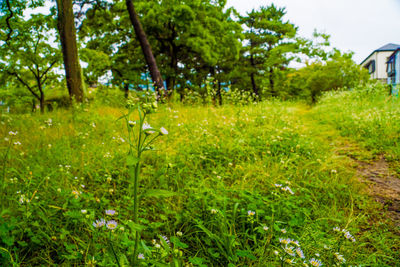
(193, 42)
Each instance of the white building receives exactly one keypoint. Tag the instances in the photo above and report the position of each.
(376, 62)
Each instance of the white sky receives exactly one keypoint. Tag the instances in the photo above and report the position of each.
(360, 26)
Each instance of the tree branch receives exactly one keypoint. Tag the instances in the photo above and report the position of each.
(45, 72)
(24, 83)
(32, 70)
(8, 21)
(37, 44)
(44, 80)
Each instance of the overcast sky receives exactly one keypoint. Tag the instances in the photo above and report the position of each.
(360, 26)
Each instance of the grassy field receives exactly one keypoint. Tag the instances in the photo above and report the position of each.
(256, 185)
(369, 117)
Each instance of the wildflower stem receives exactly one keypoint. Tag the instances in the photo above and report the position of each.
(136, 207)
(135, 184)
(9, 253)
(4, 165)
(151, 141)
(113, 251)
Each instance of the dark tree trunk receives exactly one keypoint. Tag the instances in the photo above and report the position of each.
(253, 79)
(67, 31)
(170, 84)
(41, 99)
(253, 83)
(33, 105)
(126, 90)
(42, 106)
(146, 48)
(313, 98)
(174, 66)
(219, 95)
(271, 82)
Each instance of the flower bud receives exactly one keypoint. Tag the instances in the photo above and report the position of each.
(132, 123)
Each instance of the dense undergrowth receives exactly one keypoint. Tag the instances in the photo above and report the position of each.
(228, 186)
(368, 115)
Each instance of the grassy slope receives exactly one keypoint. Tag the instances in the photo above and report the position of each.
(369, 117)
(228, 159)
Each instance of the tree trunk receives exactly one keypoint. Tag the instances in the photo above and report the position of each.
(42, 103)
(253, 83)
(126, 90)
(67, 31)
(41, 99)
(271, 82)
(170, 84)
(146, 48)
(253, 80)
(171, 81)
(219, 94)
(33, 105)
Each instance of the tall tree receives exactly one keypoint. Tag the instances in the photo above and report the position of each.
(189, 40)
(190, 37)
(30, 57)
(117, 50)
(67, 32)
(146, 48)
(269, 41)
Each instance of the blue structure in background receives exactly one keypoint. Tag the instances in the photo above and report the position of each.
(145, 77)
(146, 83)
(393, 71)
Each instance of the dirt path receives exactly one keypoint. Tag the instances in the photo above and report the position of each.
(382, 183)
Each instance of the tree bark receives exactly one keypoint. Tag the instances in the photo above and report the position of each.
(271, 83)
(33, 105)
(219, 94)
(67, 31)
(174, 66)
(253, 80)
(41, 99)
(126, 90)
(169, 81)
(42, 103)
(146, 48)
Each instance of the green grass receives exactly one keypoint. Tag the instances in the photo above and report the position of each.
(199, 187)
(369, 116)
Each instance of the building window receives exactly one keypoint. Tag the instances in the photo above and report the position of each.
(391, 70)
(371, 66)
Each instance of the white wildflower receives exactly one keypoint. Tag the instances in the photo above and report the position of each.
(146, 127)
(163, 131)
(251, 213)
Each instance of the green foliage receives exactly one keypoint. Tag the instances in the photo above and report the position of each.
(98, 64)
(28, 59)
(198, 35)
(367, 114)
(195, 42)
(227, 186)
(339, 72)
(269, 42)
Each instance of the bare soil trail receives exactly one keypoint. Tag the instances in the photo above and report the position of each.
(383, 184)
